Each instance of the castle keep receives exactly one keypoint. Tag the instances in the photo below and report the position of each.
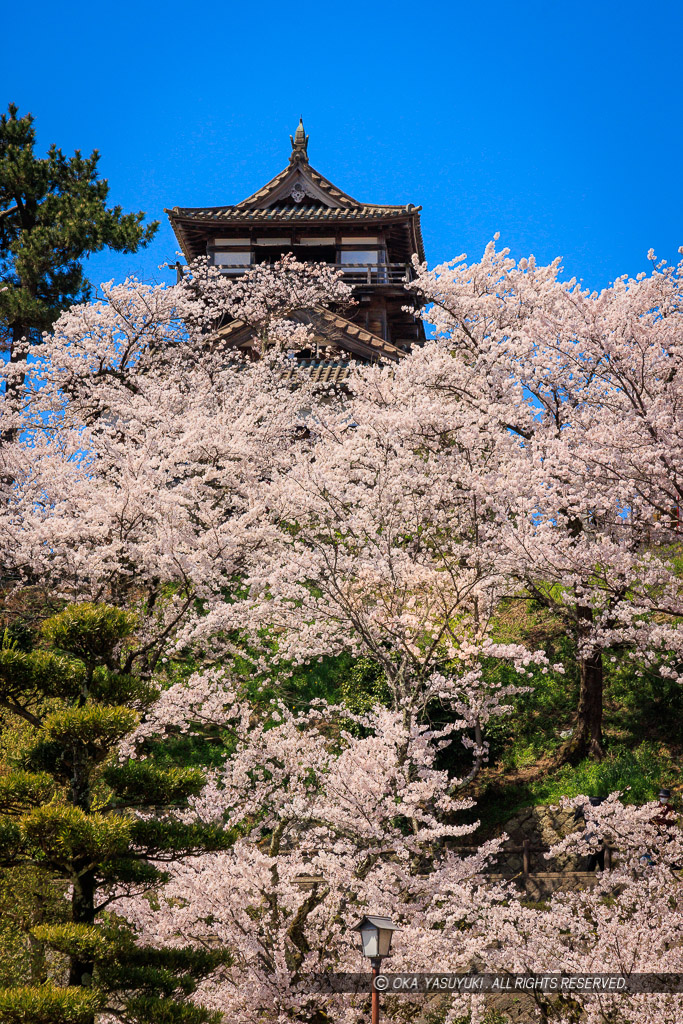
(299, 211)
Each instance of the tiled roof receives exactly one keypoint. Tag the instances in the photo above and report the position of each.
(321, 372)
(285, 211)
(347, 335)
(335, 194)
(331, 327)
(321, 203)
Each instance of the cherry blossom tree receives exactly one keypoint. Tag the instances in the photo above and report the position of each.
(628, 923)
(587, 383)
(341, 815)
(345, 814)
(477, 466)
(528, 452)
(380, 541)
(146, 443)
(266, 298)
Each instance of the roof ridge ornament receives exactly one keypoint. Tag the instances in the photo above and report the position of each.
(299, 140)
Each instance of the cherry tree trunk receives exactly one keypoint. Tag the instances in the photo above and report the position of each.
(587, 738)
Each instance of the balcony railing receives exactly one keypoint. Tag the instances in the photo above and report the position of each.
(376, 273)
(355, 274)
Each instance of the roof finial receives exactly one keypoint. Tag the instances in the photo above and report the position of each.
(299, 144)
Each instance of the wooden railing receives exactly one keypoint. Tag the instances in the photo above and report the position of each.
(527, 848)
(354, 274)
(376, 273)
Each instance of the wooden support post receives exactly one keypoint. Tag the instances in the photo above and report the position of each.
(608, 859)
(525, 858)
(376, 965)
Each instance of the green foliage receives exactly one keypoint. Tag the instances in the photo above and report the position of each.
(139, 782)
(342, 679)
(121, 964)
(48, 1004)
(150, 1010)
(644, 704)
(18, 635)
(364, 685)
(11, 840)
(28, 897)
(38, 674)
(74, 735)
(113, 945)
(157, 837)
(295, 685)
(80, 940)
(88, 631)
(637, 772)
(21, 790)
(130, 871)
(94, 727)
(64, 834)
(53, 214)
(65, 804)
(109, 687)
(201, 750)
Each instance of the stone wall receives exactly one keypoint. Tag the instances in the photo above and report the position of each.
(542, 827)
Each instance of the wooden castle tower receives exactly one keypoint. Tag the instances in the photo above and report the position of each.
(299, 211)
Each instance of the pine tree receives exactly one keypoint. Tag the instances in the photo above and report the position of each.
(53, 214)
(67, 807)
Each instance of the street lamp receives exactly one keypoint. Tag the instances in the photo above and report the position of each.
(375, 937)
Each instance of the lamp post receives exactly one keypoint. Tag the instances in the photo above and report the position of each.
(375, 937)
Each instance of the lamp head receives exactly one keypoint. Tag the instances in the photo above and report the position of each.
(375, 935)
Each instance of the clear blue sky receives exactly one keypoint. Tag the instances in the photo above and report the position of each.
(557, 124)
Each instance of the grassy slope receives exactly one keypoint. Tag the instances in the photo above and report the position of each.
(643, 731)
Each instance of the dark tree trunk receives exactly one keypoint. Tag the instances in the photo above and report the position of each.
(82, 912)
(586, 740)
(84, 883)
(17, 352)
(588, 731)
(18, 345)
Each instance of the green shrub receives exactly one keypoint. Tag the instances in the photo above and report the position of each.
(638, 773)
(48, 1004)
